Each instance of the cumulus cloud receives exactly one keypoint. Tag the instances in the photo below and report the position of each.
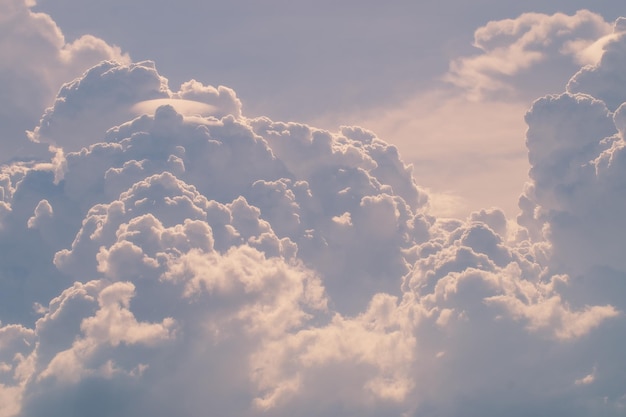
(110, 94)
(575, 143)
(600, 78)
(456, 146)
(512, 47)
(30, 81)
(175, 256)
(467, 132)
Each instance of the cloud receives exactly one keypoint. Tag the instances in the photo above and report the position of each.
(465, 138)
(31, 80)
(186, 107)
(600, 78)
(512, 47)
(193, 258)
(111, 93)
(575, 144)
(456, 146)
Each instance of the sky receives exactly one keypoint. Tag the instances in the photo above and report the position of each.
(315, 209)
(365, 63)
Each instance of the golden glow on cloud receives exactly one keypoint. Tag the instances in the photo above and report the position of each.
(182, 106)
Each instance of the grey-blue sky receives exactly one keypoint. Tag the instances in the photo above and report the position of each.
(300, 60)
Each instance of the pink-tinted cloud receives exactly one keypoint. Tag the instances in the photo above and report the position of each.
(170, 263)
(512, 47)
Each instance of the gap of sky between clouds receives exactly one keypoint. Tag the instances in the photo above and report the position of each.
(376, 65)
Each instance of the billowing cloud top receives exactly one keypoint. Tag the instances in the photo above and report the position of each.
(511, 48)
(174, 256)
(31, 80)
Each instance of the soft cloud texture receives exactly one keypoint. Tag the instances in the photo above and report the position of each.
(31, 80)
(295, 255)
(468, 154)
(511, 47)
(464, 137)
(575, 141)
(190, 259)
(600, 78)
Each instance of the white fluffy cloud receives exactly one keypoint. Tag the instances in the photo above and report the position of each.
(600, 79)
(31, 80)
(110, 93)
(189, 258)
(575, 143)
(512, 47)
(465, 137)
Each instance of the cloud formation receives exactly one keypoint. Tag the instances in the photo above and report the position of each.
(600, 78)
(191, 259)
(465, 137)
(512, 47)
(575, 143)
(30, 81)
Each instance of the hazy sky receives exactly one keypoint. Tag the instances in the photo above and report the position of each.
(377, 65)
(284, 208)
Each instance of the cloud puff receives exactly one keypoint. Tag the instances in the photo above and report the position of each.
(511, 47)
(600, 78)
(574, 199)
(188, 259)
(31, 80)
(575, 143)
(111, 93)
